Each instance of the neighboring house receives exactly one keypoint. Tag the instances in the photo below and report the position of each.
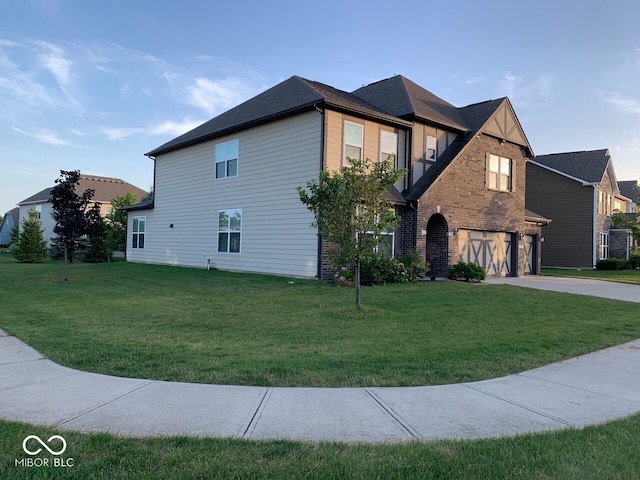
(579, 191)
(629, 190)
(10, 219)
(225, 192)
(106, 189)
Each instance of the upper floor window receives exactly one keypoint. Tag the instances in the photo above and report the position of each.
(353, 141)
(500, 173)
(39, 211)
(138, 230)
(431, 151)
(388, 146)
(227, 159)
(229, 231)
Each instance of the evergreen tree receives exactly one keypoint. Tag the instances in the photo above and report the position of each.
(30, 246)
(97, 236)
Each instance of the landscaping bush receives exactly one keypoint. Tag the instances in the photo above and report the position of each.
(634, 260)
(414, 264)
(344, 276)
(470, 272)
(380, 268)
(611, 264)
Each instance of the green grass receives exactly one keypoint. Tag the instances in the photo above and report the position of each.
(194, 325)
(623, 276)
(610, 451)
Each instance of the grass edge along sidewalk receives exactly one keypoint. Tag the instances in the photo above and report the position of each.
(192, 325)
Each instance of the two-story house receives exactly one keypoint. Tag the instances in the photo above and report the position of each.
(105, 190)
(579, 191)
(225, 193)
(9, 220)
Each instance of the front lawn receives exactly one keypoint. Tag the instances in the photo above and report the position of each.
(623, 276)
(193, 325)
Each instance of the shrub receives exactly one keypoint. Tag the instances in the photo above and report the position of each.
(611, 264)
(380, 268)
(414, 264)
(470, 272)
(634, 259)
(344, 276)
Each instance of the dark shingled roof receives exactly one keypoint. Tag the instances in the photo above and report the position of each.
(628, 189)
(588, 166)
(290, 97)
(403, 98)
(106, 189)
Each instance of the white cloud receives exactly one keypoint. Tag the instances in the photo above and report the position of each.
(217, 96)
(164, 128)
(527, 94)
(45, 136)
(54, 59)
(630, 105)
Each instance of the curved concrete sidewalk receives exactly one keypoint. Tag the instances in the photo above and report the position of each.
(590, 389)
(584, 390)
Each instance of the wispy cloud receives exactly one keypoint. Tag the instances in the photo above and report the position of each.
(527, 93)
(164, 128)
(627, 104)
(216, 96)
(45, 136)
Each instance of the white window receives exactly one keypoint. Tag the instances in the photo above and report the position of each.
(500, 173)
(138, 230)
(353, 141)
(431, 151)
(227, 159)
(229, 231)
(39, 211)
(388, 146)
(604, 246)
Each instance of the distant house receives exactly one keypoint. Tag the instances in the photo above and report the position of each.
(579, 191)
(225, 192)
(10, 219)
(106, 189)
(629, 190)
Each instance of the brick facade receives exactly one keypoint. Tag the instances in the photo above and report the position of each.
(462, 199)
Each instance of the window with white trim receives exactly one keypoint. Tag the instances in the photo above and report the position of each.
(499, 173)
(388, 146)
(431, 150)
(353, 141)
(229, 230)
(227, 159)
(138, 232)
(604, 246)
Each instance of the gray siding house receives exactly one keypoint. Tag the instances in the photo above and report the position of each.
(9, 220)
(579, 192)
(225, 192)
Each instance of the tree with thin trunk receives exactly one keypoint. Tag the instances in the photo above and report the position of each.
(70, 214)
(350, 211)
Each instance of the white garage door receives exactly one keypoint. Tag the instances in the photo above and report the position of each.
(490, 250)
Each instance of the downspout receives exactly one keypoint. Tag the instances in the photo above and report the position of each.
(594, 236)
(322, 145)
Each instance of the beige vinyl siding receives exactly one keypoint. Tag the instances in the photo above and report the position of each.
(568, 239)
(274, 159)
(420, 132)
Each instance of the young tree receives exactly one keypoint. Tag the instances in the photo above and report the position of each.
(350, 212)
(69, 213)
(117, 227)
(97, 235)
(30, 245)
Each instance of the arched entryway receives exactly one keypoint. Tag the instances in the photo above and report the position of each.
(438, 245)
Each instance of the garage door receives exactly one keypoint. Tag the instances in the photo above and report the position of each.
(490, 250)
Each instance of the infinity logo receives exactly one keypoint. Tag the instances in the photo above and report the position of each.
(39, 440)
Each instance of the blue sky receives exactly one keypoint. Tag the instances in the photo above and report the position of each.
(95, 85)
